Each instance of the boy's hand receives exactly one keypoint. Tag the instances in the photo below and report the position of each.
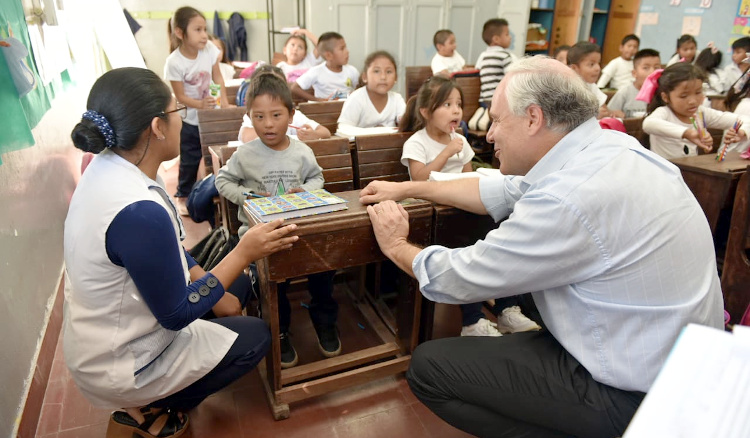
(209, 102)
(305, 132)
(705, 142)
(264, 239)
(228, 305)
(263, 194)
(295, 190)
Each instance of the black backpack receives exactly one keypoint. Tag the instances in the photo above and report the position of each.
(214, 247)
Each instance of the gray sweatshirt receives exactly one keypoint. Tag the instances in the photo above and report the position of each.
(257, 168)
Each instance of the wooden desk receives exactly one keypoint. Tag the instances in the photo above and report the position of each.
(327, 242)
(713, 183)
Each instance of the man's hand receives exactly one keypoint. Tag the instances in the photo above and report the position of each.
(378, 191)
(390, 222)
(228, 305)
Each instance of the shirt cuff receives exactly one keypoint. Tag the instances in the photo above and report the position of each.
(492, 194)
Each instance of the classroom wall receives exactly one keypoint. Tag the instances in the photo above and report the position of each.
(716, 25)
(36, 184)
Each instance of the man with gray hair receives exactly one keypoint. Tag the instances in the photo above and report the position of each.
(605, 235)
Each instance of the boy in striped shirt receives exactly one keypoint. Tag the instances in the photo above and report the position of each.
(493, 61)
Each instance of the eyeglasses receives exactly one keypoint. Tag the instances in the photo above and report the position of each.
(181, 109)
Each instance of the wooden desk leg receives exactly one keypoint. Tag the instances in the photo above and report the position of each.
(271, 368)
(408, 313)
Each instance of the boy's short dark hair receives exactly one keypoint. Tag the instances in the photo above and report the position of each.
(269, 82)
(441, 37)
(492, 27)
(742, 43)
(645, 53)
(563, 48)
(327, 41)
(631, 37)
(580, 50)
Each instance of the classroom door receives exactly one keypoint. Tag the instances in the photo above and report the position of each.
(622, 17)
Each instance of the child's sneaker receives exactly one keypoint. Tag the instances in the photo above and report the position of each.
(328, 340)
(483, 327)
(289, 356)
(181, 204)
(511, 320)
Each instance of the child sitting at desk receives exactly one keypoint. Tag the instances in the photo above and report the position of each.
(618, 73)
(374, 103)
(435, 113)
(297, 59)
(302, 127)
(584, 58)
(335, 79)
(274, 164)
(447, 60)
(624, 104)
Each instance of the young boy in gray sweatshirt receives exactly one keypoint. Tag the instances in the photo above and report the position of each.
(274, 164)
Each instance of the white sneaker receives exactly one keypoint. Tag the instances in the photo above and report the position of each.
(483, 327)
(511, 320)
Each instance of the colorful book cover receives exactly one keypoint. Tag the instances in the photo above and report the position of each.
(294, 205)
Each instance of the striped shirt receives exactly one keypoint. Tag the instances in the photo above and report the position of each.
(492, 64)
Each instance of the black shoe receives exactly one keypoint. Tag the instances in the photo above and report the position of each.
(288, 354)
(328, 340)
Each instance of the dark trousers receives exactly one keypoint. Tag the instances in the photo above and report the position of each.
(519, 385)
(323, 308)
(249, 348)
(472, 313)
(190, 159)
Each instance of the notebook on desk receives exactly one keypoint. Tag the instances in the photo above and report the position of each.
(353, 131)
(294, 205)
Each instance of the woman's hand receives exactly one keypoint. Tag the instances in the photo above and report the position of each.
(265, 239)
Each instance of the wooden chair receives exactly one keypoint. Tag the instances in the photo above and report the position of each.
(471, 88)
(334, 155)
(232, 93)
(379, 157)
(735, 275)
(227, 210)
(325, 113)
(415, 77)
(634, 127)
(218, 127)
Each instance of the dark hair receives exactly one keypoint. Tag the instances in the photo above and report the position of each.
(684, 39)
(630, 37)
(327, 40)
(129, 98)
(645, 53)
(492, 27)
(559, 49)
(370, 59)
(671, 78)
(180, 20)
(220, 42)
(741, 43)
(734, 97)
(580, 50)
(299, 37)
(441, 37)
(269, 80)
(707, 60)
(431, 95)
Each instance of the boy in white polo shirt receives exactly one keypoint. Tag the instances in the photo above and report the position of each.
(619, 72)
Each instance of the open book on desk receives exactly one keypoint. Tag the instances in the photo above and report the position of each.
(294, 205)
(350, 132)
(702, 391)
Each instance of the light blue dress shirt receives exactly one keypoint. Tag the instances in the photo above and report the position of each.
(610, 241)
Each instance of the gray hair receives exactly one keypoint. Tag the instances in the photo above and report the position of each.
(565, 99)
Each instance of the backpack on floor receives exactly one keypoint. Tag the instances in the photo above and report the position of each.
(213, 248)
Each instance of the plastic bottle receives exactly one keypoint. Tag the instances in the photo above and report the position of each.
(215, 90)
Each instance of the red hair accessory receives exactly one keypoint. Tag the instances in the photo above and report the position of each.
(649, 87)
(713, 48)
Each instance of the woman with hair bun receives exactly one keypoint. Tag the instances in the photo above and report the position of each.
(134, 297)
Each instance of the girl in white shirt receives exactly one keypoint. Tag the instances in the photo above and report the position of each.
(435, 113)
(686, 48)
(298, 59)
(675, 126)
(739, 103)
(374, 103)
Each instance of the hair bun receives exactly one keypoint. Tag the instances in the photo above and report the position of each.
(87, 137)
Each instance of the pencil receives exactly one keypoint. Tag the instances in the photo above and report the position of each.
(251, 194)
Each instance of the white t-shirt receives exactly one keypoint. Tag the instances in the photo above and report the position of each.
(451, 63)
(227, 72)
(420, 147)
(309, 62)
(195, 74)
(328, 84)
(743, 109)
(618, 74)
(359, 111)
(731, 74)
(298, 119)
(598, 93)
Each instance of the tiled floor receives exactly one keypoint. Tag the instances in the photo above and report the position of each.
(383, 408)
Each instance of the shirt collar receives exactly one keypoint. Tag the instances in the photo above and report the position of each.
(565, 149)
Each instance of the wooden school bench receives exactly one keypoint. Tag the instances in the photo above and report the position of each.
(735, 274)
(325, 113)
(217, 127)
(326, 242)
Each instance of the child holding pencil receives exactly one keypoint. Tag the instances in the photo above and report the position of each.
(677, 124)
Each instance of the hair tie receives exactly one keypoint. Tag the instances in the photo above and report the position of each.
(713, 48)
(103, 125)
(649, 87)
